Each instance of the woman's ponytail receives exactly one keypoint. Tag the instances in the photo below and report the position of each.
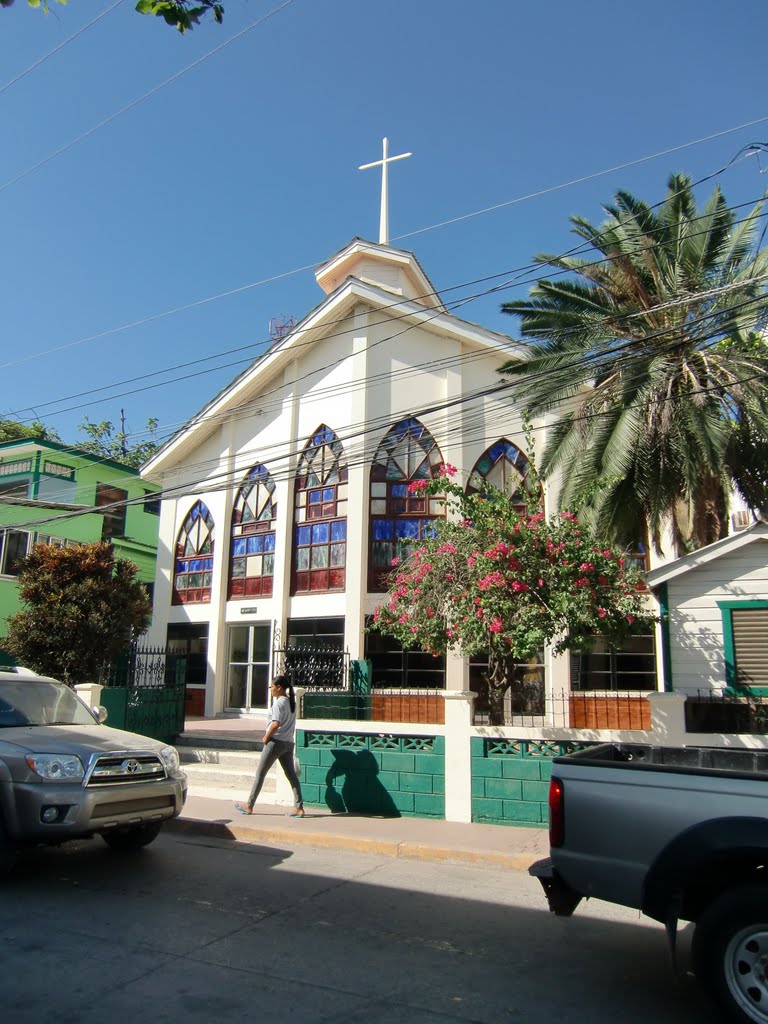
(291, 696)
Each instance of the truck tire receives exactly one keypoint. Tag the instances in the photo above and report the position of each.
(730, 953)
(128, 839)
(8, 850)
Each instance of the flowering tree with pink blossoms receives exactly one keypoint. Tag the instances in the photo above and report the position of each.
(493, 582)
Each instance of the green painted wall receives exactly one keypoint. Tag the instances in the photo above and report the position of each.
(510, 779)
(51, 481)
(393, 776)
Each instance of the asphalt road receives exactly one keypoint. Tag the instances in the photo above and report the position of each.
(197, 930)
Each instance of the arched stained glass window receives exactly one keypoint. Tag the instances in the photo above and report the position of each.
(407, 453)
(505, 467)
(194, 557)
(320, 515)
(252, 562)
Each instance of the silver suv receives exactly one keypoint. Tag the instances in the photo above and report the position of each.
(65, 775)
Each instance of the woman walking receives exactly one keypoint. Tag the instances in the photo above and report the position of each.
(278, 746)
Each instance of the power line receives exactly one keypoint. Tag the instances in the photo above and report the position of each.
(60, 46)
(146, 95)
(309, 266)
(449, 307)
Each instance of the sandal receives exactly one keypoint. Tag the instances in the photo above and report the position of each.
(299, 813)
(243, 809)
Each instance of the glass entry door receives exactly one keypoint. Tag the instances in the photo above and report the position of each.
(249, 667)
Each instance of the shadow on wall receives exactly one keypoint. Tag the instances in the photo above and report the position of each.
(361, 791)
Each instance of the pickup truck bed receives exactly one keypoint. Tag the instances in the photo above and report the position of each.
(679, 833)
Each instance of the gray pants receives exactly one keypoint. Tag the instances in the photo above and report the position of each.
(276, 750)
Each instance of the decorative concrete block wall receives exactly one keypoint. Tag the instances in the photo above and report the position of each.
(510, 779)
(392, 775)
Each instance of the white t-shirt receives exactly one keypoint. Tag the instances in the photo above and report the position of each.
(281, 712)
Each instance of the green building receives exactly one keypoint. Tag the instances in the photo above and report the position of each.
(51, 494)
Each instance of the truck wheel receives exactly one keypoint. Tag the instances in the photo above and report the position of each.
(8, 850)
(133, 838)
(730, 953)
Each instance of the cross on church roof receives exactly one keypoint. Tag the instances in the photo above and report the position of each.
(384, 164)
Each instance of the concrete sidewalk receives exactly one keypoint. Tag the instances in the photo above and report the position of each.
(417, 838)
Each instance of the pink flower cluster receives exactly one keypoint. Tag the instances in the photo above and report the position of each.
(446, 469)
(417, 486)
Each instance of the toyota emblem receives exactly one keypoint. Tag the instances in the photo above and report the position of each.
(131, 767)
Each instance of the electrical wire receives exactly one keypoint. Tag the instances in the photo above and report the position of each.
(60, 46)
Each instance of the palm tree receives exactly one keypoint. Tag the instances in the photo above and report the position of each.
(653, 358)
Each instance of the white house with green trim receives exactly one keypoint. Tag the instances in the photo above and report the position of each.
(714, 608)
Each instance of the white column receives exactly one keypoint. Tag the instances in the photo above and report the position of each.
(668, 719)
(458, 755)
(357, 497)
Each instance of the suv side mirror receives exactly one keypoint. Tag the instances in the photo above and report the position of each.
(100, 712)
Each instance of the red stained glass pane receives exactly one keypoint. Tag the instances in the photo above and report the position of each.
(205, 595)
(301, 581)
(253, 587)
(237, 588)
(337, 579)
(267, 586)
(318, 580)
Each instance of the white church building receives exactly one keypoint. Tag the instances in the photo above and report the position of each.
(286, 497)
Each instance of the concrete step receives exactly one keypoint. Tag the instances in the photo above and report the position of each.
(219, 741)
(225, 774)
(244, 760)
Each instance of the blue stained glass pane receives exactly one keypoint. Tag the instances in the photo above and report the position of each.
(399, 490)
(484, 464)
(382, 529)
(318, 439)
(320, 533)
(407, 528)
(314, 497)
(495, 451)
(238, 546)
(303, 535)
(510, 450)
(428, 528)
(339, 530)
(181, 567)
(255, 545)
(208, 564)
(269, 542)
(195, 512)
(329, 493)
(196, 565)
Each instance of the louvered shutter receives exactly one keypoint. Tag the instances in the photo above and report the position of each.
(750, 645)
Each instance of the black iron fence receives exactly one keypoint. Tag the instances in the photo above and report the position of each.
(709, 711)
(144, 692)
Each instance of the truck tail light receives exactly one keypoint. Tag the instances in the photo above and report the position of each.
(556, 812)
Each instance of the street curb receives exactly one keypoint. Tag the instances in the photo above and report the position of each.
(406, 850)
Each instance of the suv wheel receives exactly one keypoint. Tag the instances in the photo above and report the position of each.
(134, 838)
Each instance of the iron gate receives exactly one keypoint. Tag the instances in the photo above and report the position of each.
(145, 691)
(311, 665)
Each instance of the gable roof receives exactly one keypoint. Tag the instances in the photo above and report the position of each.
(317, 324)
(726, 546)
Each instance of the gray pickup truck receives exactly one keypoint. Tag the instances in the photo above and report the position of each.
(681, 834)
(65, 775)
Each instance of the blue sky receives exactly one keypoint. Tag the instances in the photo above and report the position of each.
(245, 167)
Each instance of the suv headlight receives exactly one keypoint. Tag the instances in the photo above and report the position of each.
(56, 767)
(170, 757)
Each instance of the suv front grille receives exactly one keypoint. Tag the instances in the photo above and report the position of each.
(109, 769)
